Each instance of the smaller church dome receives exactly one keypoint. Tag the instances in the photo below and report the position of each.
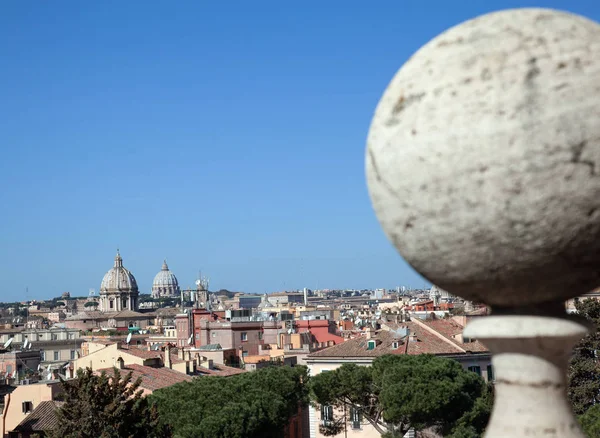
(165, 283)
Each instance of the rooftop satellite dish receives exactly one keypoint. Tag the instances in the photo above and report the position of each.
(190, 340)
(40, 368)
(198, 282)
(29, 346)
(25, 344)
(128, 339)
(156, 347)
(48, 367)
(49, 376)
(7, 343)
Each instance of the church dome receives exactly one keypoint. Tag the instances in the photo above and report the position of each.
(118, 279)
(165, 283)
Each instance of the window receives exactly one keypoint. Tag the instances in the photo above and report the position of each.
(260, 336)
(244, 353)
(72, 354)
(394, 345)
(27, 407)
(355, 417)
(244, 336)
(8, 369)
(124, 303)
(476, 369)
(56, 355)
(53, 336)
(490, 373)
(371, 345)
(42, 355)
(71, 335)
(111, 304)
(326, 414)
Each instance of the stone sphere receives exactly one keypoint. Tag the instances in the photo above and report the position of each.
(483, 158)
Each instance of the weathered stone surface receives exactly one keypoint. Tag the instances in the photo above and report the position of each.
(483, 158)
(530, 359)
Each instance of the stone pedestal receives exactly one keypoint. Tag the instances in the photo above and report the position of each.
(482, 166)
(530, 358)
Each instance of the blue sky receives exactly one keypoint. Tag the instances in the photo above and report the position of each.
(225, 136)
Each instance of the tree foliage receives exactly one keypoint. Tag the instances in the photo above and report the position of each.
(103, 406)
(584, 367)
(399, 392)
(257, 404)
(590, 421)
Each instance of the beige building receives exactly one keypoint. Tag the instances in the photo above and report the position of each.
(19, 404)
(54, 345)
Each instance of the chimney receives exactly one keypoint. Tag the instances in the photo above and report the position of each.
(120, 363)
(168, 356)
(198, 360)
(207, 363)
(368, 332)
(413, 337)
(181, 353)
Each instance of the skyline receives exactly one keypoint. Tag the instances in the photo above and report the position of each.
(227, 140)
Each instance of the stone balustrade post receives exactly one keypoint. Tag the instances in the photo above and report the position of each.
(482, 169)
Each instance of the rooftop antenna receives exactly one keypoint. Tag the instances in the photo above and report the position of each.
(128, 340)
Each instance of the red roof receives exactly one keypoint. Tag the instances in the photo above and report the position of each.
(436, 340)
(152, 378)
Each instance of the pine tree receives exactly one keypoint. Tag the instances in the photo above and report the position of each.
(103, 406)
(584, 368)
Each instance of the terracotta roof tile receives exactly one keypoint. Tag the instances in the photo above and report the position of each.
(42, 418)
(221, 370)
(357, 347)
(152, 378)
(452, 331)
(423, 341)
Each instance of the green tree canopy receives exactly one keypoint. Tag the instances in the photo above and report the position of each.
(590, 421)
(584, 367)
(91, 304)
(103, 406)
(399, 392)
(249, 405)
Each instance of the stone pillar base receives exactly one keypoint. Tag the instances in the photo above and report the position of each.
(530, 359)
